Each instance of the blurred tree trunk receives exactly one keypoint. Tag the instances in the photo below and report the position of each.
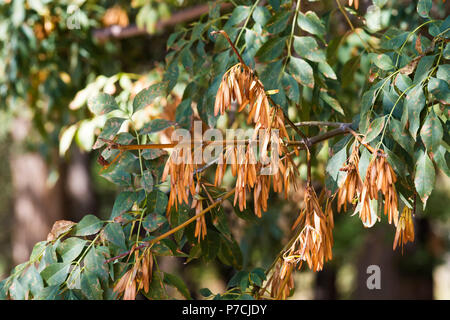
(37, 202)
(325, 286)
(79, 192)
(396, 282)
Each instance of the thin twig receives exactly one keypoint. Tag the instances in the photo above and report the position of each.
(177, 228)
(222, 32)
(366, 45)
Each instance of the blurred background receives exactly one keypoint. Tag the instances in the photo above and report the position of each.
(54, 55)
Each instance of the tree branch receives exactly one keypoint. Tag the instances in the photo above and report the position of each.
(182, 16)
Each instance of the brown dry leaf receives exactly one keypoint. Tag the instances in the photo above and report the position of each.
(60, 227)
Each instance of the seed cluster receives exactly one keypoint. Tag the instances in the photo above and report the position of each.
(405, 228)
(353, 184)
(315, 240)
(240, 85)
(137, 278)
(380, 177)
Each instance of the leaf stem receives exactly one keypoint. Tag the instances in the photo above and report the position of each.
(177, 228)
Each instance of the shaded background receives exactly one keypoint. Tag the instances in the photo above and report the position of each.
(49, 63)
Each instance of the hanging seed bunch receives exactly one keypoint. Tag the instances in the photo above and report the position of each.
(282, 270)
(137, 278)
(240, 85)
(315, 241)
(197, 204)
(181, 170)
(380, 177)
(405, 228)
(353, 185)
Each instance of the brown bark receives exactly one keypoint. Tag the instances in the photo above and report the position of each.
(183, 16)
(38, 202)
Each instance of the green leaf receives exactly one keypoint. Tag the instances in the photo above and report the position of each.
(238, 15)
(171, 76)
(66, 138)
(432, 132)
(153, 221)
(230, 253)
(70, 249)
(379, 3)
(48, 293)
(157, 202)
(278, 22)
(110, 130)
(301, 71)
(364, 162)
(205, 292)
(151, 154)
(423, 68)
(56, 273)
(38, 250)
(147, 181)
(383, 61)
(332, 102)
(90, 286)
(308, 48)
(210, 245)
(271, 49)
(220, 221)
(183, 114)
(147, 96)
(311, 23)
(439, 88)
(114, 234)
(90, 224)
(290, 86)
(118, 176)
(400, 136)
(425, 177)
(33, 281)
(446, 53)
(156, 290)
(17, 290)
(255, 279)
(123, 203)
(440, 159)
(94, 262)
(156, 125)
(326, 70)
(374, 129)
(102, 104)
(398, 164)
(261, 15)
(443, 72)
(237, 278)
(414, 103)
(349, 70)
(403, 82)
(174, 281)
(335, 163)
(424, 7)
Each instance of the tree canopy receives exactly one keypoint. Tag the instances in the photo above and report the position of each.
(358, 100)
